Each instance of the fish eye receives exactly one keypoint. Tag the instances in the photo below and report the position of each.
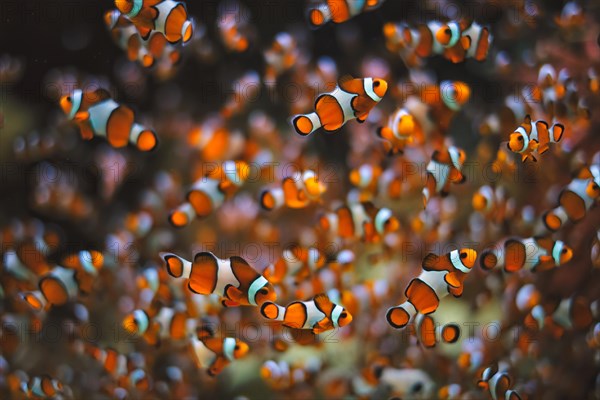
(343, 315)
(237, 347)
(520, 138)
(447, 31)
(263, 291)
(417, 387)
(69, 98)
(376, 84)
(564, 251)
(463, 255)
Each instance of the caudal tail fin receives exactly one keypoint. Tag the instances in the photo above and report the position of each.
(305, 124)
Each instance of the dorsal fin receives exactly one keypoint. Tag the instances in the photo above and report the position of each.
(324, 304)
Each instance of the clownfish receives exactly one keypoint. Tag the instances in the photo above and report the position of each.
(494, 203)
(454, 40)
(339, 11)
(571, 17)
(233, 28)
(127, 37)
(443, 169)
(297, 261)
(366, 180)
(571, 313)
(441, 275)
(281, 375)
(215, 353)
(214, 141)
(209, 192)
(167, 17)
(351, 99)
(533, 254)
(111, 360)
(476, 40)
(233, 279)
(245, 90)
(280, 57)
(296, 191)
(428, 333)
(361, 221)
(473, 354)
(56, 288)
(497, 382)
(450, 392)
(534, 136)
(168, 323)
(42, 387)
(319, 314)
(97, 114)
(577, 198)
(401, 130)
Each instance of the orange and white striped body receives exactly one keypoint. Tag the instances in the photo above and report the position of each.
(233, 279)
(351, 99)
(209, 192)
(297, 191)
(403, 129)
(442, 275)
(497, 382)
(360, 221)
(534, 136)
(99, 115)
(443, 169)
(339, 11)
(298, 262)
(577, 198)
(215, 353)
(167, 17)
(317, 315)
(533, 254)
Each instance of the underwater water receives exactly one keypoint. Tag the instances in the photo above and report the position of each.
(301, 199)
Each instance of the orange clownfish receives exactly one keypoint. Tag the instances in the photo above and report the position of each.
(281, 375)
(534, 254)
(168, 17)
(209, 192)
(576, 199)
(571, 313)
(441, 275)
(402, 129)
(280, 57)
(443, 169)
(233, 28)
(233, 279)
(297, 191)
(361, 221)
(215, 353)
(429, 334)
(351, 99)
(498, 384)
(319, 314)
(297, 261)
(127, 37)
(43, 387)
(454, 40)
(97, 114)
(168, 323)
(534, 136)
(214, 141)
(339, 11)
(494, 203)
(450, 392)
